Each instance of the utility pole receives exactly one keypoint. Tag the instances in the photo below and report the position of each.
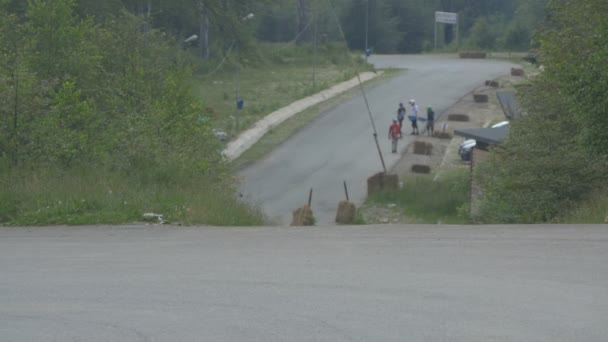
(314, 48)
(238, 101)
(302, 15)
(238, 88)
(204, 32)
(366, 29)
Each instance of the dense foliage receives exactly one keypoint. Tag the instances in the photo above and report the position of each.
(77, 91)
(557, 155)
(408, 25)
(108, 96)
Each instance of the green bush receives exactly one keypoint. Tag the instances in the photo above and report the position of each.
(593, 209)
(555, 156)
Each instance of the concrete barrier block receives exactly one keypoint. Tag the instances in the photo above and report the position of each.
(517, 72)
(480, 98)
(346, 213)
(458, 117)
(424, 169)
(493, 84)
(382, 182)
(303, 217)
(473, 54)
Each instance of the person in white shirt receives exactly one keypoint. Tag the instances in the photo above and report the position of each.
(414, 116)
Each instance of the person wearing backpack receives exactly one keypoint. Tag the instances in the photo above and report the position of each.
(394, 134)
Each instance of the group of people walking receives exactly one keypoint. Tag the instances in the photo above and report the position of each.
(395, 130)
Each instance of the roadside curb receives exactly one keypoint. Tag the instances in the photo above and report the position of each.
(249, 137)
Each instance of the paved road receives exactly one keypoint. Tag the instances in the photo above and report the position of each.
(386, 283)
(339, 145)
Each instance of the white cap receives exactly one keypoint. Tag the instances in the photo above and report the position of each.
(412, 101)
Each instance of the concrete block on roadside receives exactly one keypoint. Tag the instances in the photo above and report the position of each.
(303, 217)
(473, 54)
(424, 169)
(480, 98)
(517, 72)
(493, 84)
(458, 117)
(382, 182)
(346, 213)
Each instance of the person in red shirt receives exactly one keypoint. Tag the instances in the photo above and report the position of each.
(394, 134)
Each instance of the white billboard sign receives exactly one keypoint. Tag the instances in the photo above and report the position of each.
(446, 18)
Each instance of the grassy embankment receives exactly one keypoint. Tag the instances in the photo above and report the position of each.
(80, 197)
(592, 210)
(430, 200)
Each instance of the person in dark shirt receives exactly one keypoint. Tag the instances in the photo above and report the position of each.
(430, 121)
(401, 114)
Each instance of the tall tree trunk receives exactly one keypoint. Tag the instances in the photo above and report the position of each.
(204, 32)
(302, 7)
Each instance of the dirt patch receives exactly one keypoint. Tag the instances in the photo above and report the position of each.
(388, 214)
(424, 148)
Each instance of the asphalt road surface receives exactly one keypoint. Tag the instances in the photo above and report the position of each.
(338, 146)
(373, 283)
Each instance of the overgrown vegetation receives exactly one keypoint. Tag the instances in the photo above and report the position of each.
(429, 199)
(97, 107)
(556, 156)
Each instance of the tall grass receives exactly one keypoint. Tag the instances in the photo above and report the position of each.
(429, 199)
(97, 196)
(592, 210)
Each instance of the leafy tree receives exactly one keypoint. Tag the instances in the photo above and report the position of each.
(61, 44)
(558, 154)
(517, 38)
(482, 34)
(574, 51)
(540, 170)
(382, 32)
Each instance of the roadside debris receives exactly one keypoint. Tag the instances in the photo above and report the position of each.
(152, 217)
(223, 136)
